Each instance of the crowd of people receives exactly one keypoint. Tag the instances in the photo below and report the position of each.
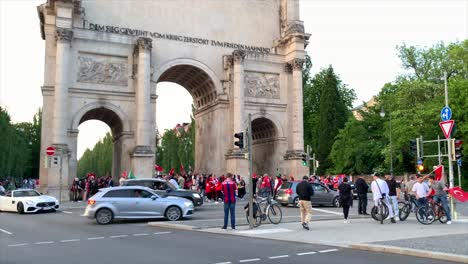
(10, 184)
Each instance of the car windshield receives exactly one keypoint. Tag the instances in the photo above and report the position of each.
(25, 193)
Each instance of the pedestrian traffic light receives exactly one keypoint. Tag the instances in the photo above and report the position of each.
(413, 146)
(458, 149)
(305, 159)
(239, 143)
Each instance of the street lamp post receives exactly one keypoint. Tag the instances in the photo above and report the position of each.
(382, 114)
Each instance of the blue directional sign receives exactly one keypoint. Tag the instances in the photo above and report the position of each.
(459, 161)
(420, 162)
(446, 113)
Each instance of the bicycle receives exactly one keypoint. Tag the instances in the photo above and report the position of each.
(404, 208)
(270, 210)
(380, 212)
(438, 211)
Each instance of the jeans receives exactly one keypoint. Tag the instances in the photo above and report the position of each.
(421, 202)
(345, 211)
(362, 206)
(443, 200)
(394, 202)
(229, 208)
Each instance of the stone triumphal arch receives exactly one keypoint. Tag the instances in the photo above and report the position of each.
(103, 60)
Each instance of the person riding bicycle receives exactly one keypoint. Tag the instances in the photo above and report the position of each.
(421, 189)
(380, 191)
(440, 196)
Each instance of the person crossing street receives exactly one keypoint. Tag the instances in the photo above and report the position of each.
(305, 191)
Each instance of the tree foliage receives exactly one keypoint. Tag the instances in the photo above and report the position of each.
(98, 160)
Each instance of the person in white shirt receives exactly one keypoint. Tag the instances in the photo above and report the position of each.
(174, 182)
(380, 189)
(421, 190)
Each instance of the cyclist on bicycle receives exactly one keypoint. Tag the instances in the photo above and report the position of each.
(421, 189)
(440, 196)
(380, 191)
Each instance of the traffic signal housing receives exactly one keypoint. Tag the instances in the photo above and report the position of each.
(239, 143)
(458, 149)
(413, 146)
(305, 159)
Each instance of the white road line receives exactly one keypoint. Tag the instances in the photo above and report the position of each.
(161, 233)
(229, 262)
(67, 212)
(249, 260)
(306, 253)
(328, 250)
(118, 236)
(277, 257)
(140, 234)
(95, 238)
(44, 242)
(18, 245)
(6, 232)
(69, 240)
(326, 211)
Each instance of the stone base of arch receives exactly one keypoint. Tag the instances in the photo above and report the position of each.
(56, 182)
(142, 161)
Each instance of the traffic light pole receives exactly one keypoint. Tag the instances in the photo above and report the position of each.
(249, 144)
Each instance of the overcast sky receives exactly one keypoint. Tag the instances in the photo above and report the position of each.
(357, 37)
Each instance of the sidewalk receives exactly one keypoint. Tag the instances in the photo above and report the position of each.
(439, 241)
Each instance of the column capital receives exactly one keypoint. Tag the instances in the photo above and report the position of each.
(296, 64)
(288, 67)
(63, 34)
(238, 56)
(144, 44)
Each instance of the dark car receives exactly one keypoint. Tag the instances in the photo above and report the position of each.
(165, 188)
(322, 195)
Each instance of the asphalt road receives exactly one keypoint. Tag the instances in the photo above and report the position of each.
(67, 237)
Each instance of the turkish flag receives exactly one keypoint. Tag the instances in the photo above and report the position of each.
(438, 172)
(158, 168)
(171, 172)
(458, 194)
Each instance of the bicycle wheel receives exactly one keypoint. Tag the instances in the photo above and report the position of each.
(381, 213)
(404, 210)
(257, 216)
(425, 215)
(377, 215)
(440, 213)
(274, 214)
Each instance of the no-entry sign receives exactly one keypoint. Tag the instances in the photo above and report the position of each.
(50, 151)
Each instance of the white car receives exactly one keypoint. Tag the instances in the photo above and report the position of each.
(27, 201)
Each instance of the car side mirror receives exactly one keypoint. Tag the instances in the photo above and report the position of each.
(153, 197)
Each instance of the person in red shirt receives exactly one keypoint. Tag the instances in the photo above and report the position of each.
(209, 188)
(278, 183)
(229, 188)
(219, 188)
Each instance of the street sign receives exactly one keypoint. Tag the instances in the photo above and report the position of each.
(446, 113)
(446, 127)
(50, 151)
(420, 162)
(459, 161)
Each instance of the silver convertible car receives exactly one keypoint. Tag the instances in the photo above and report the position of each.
(135, 202)
(27, 201)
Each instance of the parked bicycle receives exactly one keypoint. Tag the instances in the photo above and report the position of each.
(380, 212)
(405, 208)
(270, 210)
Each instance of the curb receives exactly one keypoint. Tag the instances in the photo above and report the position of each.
(411, 252)
(173, 226)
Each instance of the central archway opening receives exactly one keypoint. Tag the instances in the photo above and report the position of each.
(264, 146)
(188, 143)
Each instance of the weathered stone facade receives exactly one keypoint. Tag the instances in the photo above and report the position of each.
(104, 58)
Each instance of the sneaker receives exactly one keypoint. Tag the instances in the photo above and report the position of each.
(216, 202)
(449, 222)
(224, 228)
(392, 220)
(305, 226)
(345, 221)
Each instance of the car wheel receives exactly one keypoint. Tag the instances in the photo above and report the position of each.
(104, 216)
(173, 213)
(20, 208)
(336, 202)
(296, 202)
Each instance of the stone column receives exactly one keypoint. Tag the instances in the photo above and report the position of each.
(62, 61)
(297, 107)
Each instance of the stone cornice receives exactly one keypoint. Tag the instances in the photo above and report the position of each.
(238, 56)
(63, 35)
(144, 44)
(296, 64)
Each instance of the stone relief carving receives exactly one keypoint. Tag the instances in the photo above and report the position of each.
(262, 85)
(101, 70)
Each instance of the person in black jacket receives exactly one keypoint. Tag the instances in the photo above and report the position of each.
(346, 198)
(362, 188)
(305, 191)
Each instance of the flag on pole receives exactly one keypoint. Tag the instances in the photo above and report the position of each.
(438, 172)
(171, 172)
(458, 194)
(182, 169)
(158, 168)
(131, 175)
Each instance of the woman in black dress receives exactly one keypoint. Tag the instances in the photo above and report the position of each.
(345, 198)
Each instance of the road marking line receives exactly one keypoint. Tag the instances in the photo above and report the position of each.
(326, 211)
(95, 238)
(161, 233)
(265, 231)
(140, 234)
(69, 240)
(249, 260)
(6, 232)
(118, 236)
(18, 245)
(328, 250)
(229, 262)
(306, 253)
(67, 212)
(44, 242)
(277, 257)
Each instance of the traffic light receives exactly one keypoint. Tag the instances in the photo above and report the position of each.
(56, 162)
(413, 146)
(420, 166)
(458, 149)
(239, 143)
(304, 159)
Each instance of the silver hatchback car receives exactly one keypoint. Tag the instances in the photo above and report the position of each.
(135, 202)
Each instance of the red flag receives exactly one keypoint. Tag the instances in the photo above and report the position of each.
(182, 169)
(158, 168)
(459, 194)
(438, 172)
(171, 172)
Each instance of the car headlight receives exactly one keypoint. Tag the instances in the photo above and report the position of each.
(29, 202)
(188, 204)
(196, 195)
